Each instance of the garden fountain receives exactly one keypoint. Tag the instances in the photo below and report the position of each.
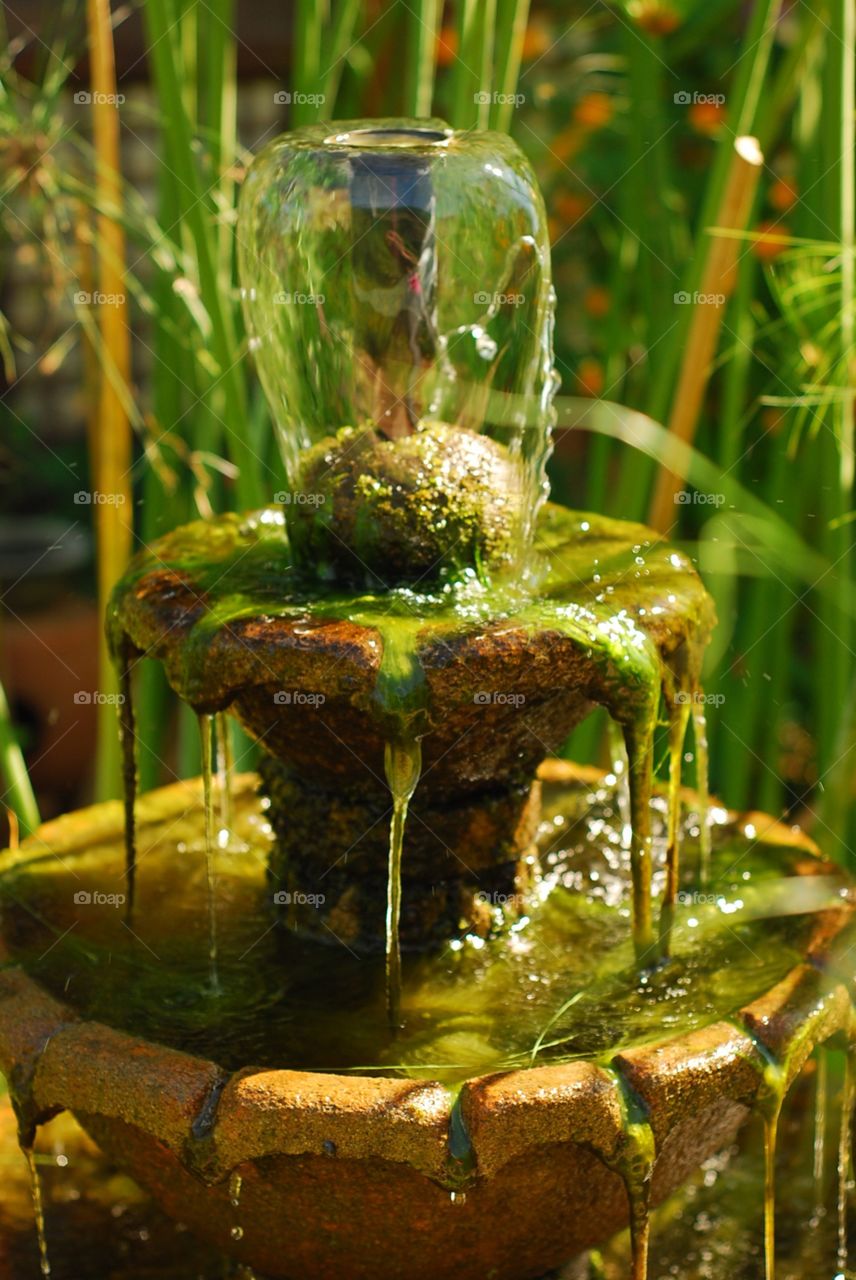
(397, 1015)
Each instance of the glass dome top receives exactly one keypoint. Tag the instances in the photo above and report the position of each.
(396, 273)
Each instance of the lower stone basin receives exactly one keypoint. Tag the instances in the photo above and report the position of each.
(349, 1175)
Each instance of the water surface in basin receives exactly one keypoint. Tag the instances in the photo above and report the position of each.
(560, 982)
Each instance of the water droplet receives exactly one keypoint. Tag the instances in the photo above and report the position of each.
(237, 1233)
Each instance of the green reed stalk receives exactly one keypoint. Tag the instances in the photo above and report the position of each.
(835, 439)
(511, 19)
(311, 20)
(472, 70)
(744, 97)
(195, 211)
(19, 795)
(423, 29)
(336, 56)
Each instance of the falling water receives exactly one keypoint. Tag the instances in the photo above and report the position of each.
(223, 779)
(38, 1209)
(639, 740)
(236, 1182)
(205, 731)
(771, 1129)
(127, 736)
(820, 1107)
(678, 720)
(618, 763)
(702, 786)
(635, 1164)
(403, 764)
(844, 1155)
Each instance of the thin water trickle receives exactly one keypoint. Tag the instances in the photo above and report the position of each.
(771, 1129)
(236, 1182)
(205, 732)
(635, 1165)
(678, 719)
(702, 786)
(821, 1099)
(403, 765)
(223, 779)
(38, 1209)
(618, 763)
(639, 740)
(844, 1158)
(127, 738)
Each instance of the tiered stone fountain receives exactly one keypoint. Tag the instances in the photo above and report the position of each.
(409, 634)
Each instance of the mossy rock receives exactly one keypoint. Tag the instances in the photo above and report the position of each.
(370, 510)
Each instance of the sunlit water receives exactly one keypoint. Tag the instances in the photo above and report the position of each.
(559, 982)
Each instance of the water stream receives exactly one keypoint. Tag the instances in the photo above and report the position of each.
(38, 1208)
(210, 812)
(403, 764)
(679, 714)
(845, 1157)
(128, 747)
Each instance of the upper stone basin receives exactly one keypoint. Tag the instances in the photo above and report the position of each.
(495, 683)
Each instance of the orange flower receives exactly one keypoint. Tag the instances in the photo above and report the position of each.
(783, 194)
(567, 143)
(571, 206)
(597, 301)
(589, 377)
(773, 419)
(706, 118)
(594, 110)
(767, 243)
(537, 40)
(447, 46)
(657, 17)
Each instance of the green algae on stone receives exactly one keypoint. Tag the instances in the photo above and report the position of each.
(490, 677)
(473, 1007)
(369, 510)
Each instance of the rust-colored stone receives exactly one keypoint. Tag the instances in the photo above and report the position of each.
(801, 1011)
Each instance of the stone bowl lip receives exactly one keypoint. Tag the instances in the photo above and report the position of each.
(156, 605)
(215, 1121)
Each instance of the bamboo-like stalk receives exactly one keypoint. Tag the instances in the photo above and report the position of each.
(215, 287)
(19, 797)
(311, 17)
(512, 16)
(717, 281)
(835, 445)
(422, 58)
(743, 100)
(343, 38)
(112, 450)
(468, 83)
